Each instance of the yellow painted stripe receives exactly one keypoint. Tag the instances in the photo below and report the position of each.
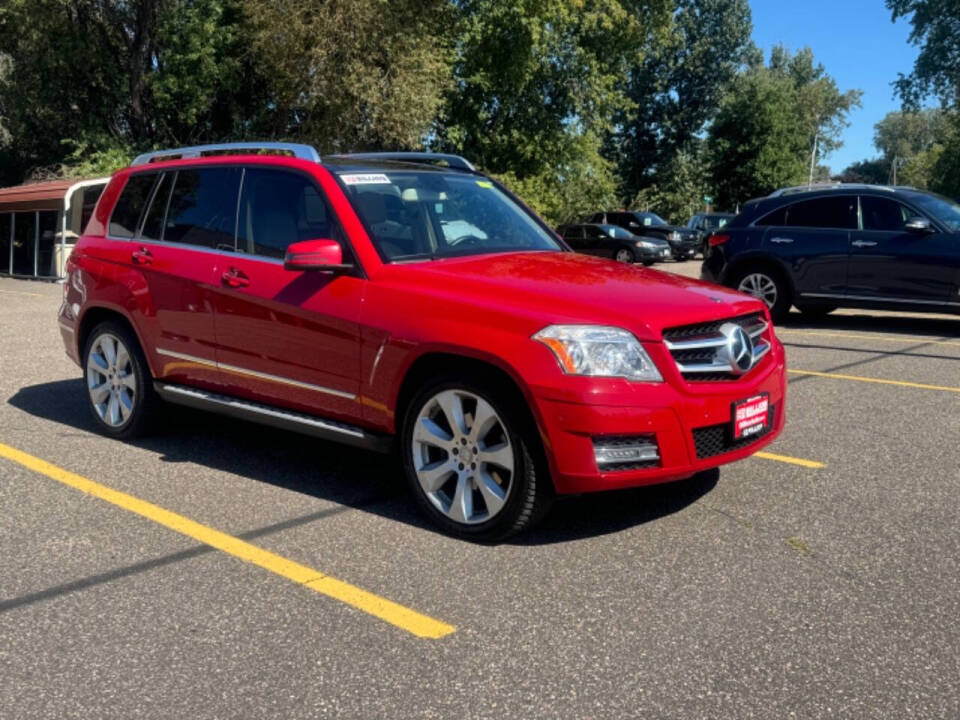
(881, 381)
(791, 460)
(21, 292)
(388, 611)
(863, 336)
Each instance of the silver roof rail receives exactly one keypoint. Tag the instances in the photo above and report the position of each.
(304, 152)
(828, 186)
(430, 158)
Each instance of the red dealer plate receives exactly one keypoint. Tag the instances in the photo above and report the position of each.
(751, 416)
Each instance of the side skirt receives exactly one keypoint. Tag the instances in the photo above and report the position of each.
(274, 416)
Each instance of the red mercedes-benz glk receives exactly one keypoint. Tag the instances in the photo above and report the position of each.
(407, 301)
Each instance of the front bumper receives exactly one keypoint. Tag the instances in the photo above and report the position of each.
(683, 249)
(689, 422)
(657, 254)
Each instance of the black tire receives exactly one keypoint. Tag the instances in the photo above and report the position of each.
(648, 263)
(530, 492)
(784, 294)
(625, 255)
(816, 311)
(145, 402)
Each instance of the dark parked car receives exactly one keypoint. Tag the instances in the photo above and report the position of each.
(614, 242)
(683, 241)
(705, 224)
(861, 246)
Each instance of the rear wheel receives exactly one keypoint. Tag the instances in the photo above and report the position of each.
(766, 284)
(473, 460)
(624, 255)
(119, 386)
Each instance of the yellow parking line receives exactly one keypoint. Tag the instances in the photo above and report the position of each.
(791, 460)
(21, 292)
(862, 336)
(858, 378)
(388, 611)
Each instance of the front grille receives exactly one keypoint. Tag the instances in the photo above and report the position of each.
(699, 350)
(716, 440)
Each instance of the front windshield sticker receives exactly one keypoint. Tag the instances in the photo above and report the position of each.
(367, 179)
(485, 183)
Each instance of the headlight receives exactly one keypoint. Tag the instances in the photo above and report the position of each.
(646, 245)
(675, 236)
(599, 351)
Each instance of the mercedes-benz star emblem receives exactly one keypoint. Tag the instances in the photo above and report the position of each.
(738, 349)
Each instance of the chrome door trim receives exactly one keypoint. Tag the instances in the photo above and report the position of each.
(781, 240)
(863, 243)
(876, 298)
(257, 374)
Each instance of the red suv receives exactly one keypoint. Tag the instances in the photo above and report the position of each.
(406, 301)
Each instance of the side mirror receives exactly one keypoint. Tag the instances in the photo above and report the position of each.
(918, 224)
(320, 254)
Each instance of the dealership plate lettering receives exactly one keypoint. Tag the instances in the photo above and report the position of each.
(751, 416)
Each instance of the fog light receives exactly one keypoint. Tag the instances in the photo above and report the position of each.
(624, 453)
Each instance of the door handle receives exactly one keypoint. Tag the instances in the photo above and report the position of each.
(863, 243)
(234, 278)
(142, 256)
(781, 240)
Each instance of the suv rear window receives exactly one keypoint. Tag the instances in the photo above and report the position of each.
(829, 212)
(126, 213)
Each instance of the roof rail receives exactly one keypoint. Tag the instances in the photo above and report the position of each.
(427, 158)
(828, 186)
(304, 152)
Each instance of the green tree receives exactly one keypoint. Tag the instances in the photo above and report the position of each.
(775, 125)
(676, 87)
(936, 71)
(910, 143)
(678, 188)
(352, 74)
(870, 172)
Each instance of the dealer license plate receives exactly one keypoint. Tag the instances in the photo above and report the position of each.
(751, 416)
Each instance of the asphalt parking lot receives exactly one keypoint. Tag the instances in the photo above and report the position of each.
(820, 580)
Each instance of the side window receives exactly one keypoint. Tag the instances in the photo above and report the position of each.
(278, 208)
(828, 212)
(777, 217)
(883, 214)
(203, 208)
(573, 233)
(153, 221)
(593, 233)
(129, 208)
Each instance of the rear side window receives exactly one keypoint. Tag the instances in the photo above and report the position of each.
(203, 208)
(828, 212)
(574, 233)
(278, 208)
(883, 214)
(777, 217)
(153, 221)
(129, 208)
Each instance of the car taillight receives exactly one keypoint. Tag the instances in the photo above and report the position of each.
(717, 239)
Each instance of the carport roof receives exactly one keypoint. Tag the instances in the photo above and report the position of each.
(35, 196)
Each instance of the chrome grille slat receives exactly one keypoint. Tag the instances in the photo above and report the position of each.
(690, 347)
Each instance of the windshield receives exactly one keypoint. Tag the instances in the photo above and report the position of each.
(615, 231)
(943, 209)
(649, 219)
(417, 215)
(713, 222)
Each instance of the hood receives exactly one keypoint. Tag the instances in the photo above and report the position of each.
(566, 287)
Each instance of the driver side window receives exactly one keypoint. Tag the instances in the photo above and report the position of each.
(883, 214)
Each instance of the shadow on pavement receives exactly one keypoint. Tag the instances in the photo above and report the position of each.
(347, 476)
(939, 326)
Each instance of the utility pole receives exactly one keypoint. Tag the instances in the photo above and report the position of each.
(813, 158)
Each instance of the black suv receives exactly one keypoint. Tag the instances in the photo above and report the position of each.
(705, 224)
(864, 246)
(683, 241)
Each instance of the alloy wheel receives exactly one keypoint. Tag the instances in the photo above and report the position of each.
(761, 287)
(462, 456)
(111, 380)
(624, 256)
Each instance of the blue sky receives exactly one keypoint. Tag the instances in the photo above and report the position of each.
(857, 44)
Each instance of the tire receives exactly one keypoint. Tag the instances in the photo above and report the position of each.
(625, 255)
(816, 311)
(765, 283)
(438, 480)
(648, 263)
(124, 385)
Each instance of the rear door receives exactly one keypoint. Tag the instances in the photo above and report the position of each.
(812, 237)
(888, 262)
(288, 338)
(190, 214)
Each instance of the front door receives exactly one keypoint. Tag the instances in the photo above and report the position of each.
(888, 262)
(287, 338)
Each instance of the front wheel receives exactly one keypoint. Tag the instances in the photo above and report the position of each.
(624, 255)
(765, 284)
(471, 457)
